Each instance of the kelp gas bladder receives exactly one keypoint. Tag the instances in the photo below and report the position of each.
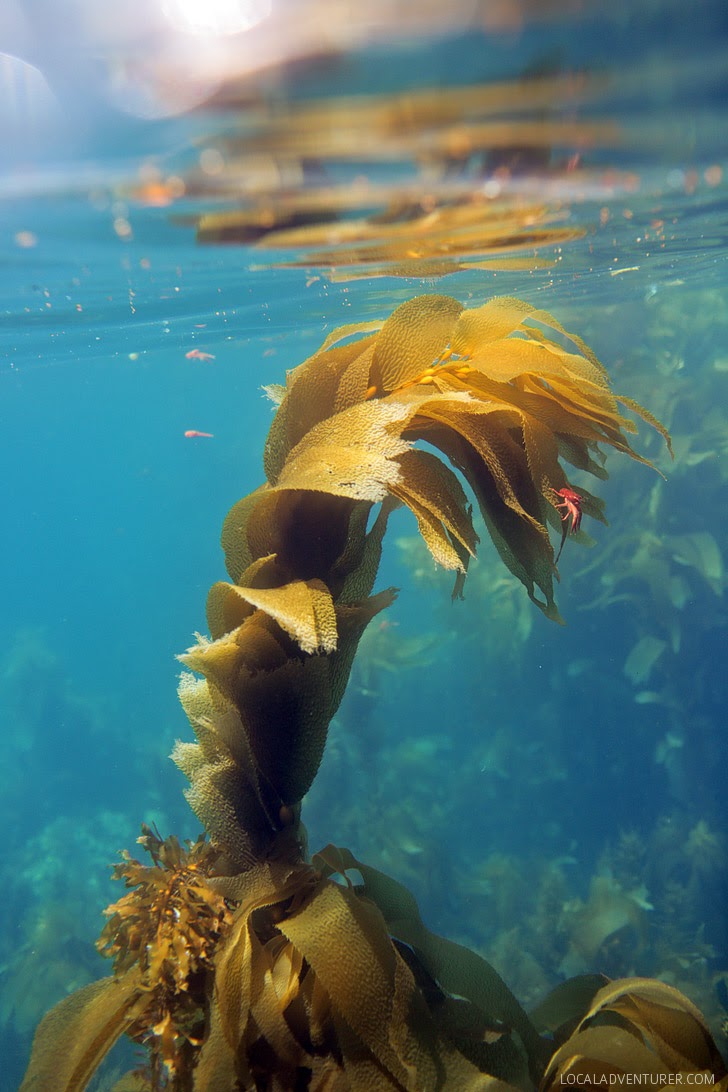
(241, 964)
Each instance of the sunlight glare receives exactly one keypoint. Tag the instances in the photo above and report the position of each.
(219, 17)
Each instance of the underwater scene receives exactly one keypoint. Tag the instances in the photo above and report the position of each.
(364, 429)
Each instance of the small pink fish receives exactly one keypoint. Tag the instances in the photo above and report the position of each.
(195, 354)
(193, 433)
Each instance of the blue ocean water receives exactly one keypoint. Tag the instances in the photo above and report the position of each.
(554, 796)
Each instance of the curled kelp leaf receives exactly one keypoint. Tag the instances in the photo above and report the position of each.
(637, 1027)
(314, 391)
(303, 608)
(415, 334)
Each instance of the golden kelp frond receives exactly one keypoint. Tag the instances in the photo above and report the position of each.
(503, 399)
(637, 1026)
(360, 454)
(234, 539)
(433, 493)
(457, 226)
(285, 630)
(650, 418)
(319, 985)
(350, 454)
(286, 528)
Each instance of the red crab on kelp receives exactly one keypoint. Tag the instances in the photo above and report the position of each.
(570, 504)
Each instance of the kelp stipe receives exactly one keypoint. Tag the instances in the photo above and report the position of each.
(239, 963)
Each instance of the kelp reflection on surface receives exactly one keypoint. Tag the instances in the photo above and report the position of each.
(310, 177)
(410, 240)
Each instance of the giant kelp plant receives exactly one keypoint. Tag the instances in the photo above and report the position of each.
(239, 962)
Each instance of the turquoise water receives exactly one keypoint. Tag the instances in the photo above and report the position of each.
(554, 796)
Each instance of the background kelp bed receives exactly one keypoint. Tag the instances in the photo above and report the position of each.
(502, 756)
